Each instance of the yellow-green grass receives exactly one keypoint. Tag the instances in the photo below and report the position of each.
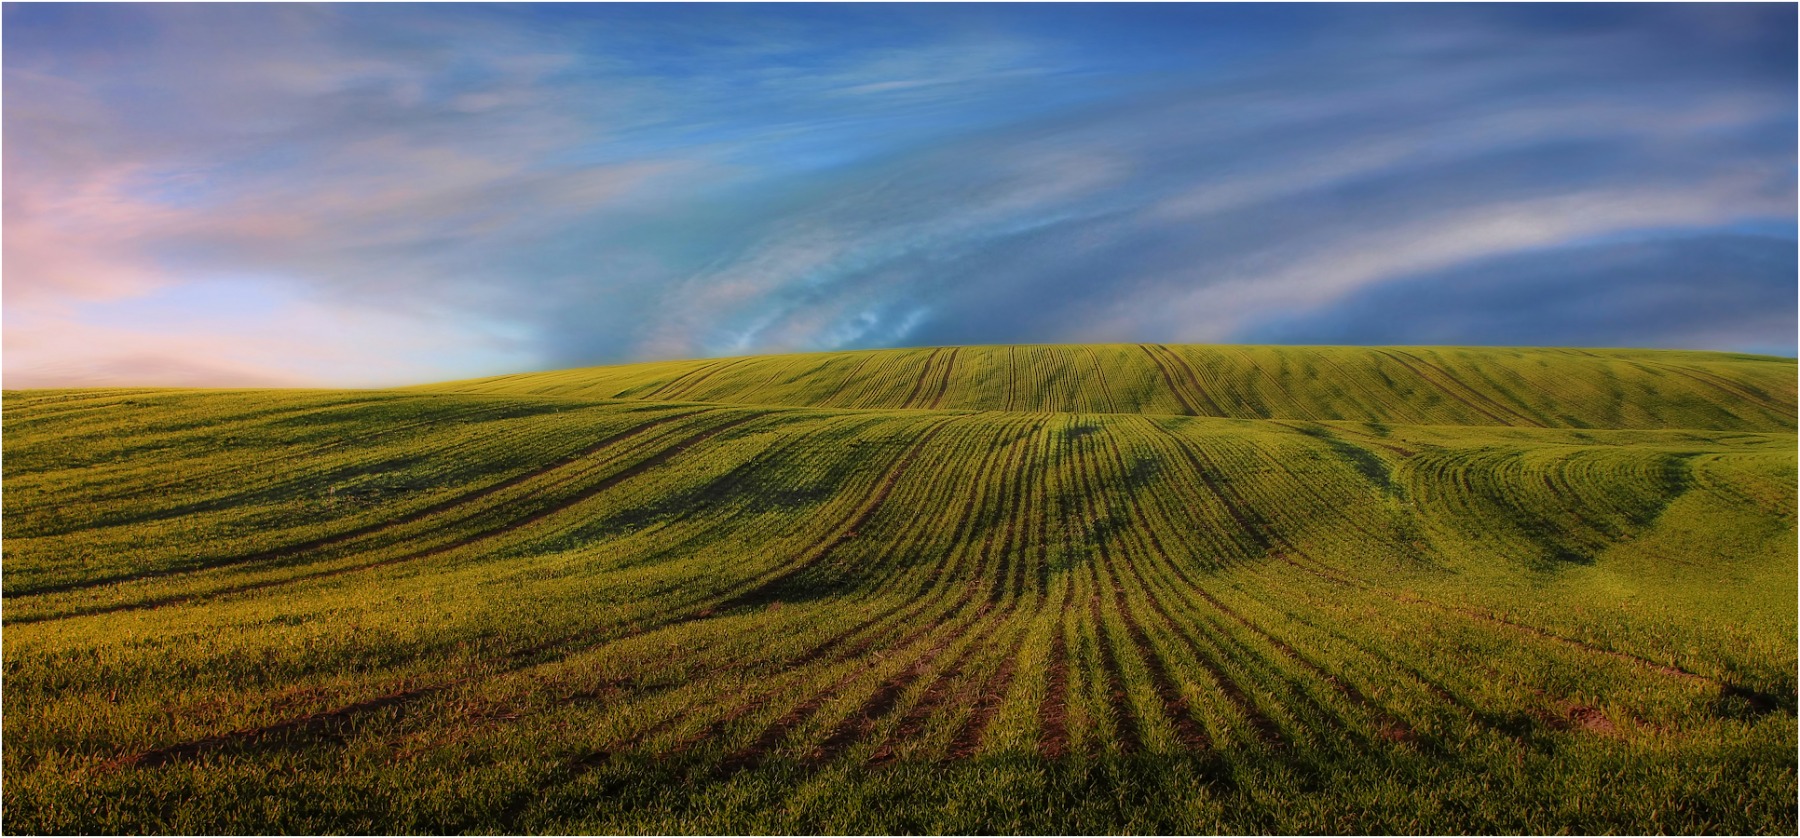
(975, 590)
(1521, 387)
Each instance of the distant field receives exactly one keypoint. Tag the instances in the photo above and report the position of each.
(979, 589)
(1547, 388)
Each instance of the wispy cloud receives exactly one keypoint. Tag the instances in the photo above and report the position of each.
(558, 185)
(1707, 289)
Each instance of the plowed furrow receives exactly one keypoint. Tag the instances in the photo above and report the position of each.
(37, 406)
(882, 702)
(473, 538)
(861, 723)
(1462, 393)
(1042, 486)
(322, 542)
(760, 593)
(989, 492)
(110, 447)
(938, 693)
(1291, 405)
(1012, 482)
(1127, 726)
(1175, 705)
(987, 702)
(1012, 377)
(919, 379)
(1392, 726)
(1388, 657)
(744, 704)
(795, 669)
(191, 476)
(1263, 536)
(1485, 719)
(926, 597)
(1733, 390)
(690, 609)
(1762, 701)
(944, 379)
(1180, 364)
(771, 737)
(325, 722)
(1168, 377)
(1192, 587)
(1261, 725)
(314, 724)
(830, 399)
(1106, 392)
(682, 385)
(1053, 713)
(671, 384)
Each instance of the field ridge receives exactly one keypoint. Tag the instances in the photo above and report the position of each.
(1518, 387)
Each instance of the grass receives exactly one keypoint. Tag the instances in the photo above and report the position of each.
(979, 589)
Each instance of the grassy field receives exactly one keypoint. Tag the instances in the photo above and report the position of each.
(978, 589)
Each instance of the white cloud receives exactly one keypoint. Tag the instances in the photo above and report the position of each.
(1212, 307)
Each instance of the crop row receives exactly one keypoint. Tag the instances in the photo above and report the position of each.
(1556, 388)
(578, 599)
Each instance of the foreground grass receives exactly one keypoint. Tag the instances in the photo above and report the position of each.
(475, 610)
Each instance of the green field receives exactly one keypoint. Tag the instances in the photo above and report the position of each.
(980, 589)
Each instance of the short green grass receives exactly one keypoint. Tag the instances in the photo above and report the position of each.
(1070, 589)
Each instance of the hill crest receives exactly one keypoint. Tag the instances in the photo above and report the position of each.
(1524, 387)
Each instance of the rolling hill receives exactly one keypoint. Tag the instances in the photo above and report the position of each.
(1550, 388)
(1069, 589)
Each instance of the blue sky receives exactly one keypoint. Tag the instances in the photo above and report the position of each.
(224, 194)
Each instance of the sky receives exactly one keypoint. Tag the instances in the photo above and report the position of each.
(371, 194)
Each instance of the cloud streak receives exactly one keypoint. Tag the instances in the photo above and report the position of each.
(472, 189)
